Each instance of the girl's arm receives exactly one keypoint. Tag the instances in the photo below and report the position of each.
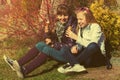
(94, 36)
(71, 34)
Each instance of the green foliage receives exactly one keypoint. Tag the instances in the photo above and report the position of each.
(116, 53)
(109, 21)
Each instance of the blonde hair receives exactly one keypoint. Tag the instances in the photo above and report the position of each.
(88, 14)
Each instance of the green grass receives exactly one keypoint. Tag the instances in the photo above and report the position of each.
(47, 71)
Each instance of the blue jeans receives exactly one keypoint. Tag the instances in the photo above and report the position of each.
(91, 56)
(56, 54)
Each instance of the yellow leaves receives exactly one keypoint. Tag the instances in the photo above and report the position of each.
(116, 32)
(109, 21)
(101, 2)
(117, 25)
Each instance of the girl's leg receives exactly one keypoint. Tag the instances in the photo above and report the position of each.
(35, 63)
(28, 56)
(70, 58)
(32, 53)
(41, 58)
(63, 55)
(91, 56)
(56, 54)
(72, 63)
(33, 56)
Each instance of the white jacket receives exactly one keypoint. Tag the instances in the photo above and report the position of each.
(92, 33)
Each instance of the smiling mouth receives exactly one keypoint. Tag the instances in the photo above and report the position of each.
(80, 24)
(63, 20)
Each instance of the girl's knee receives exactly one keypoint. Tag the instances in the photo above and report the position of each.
(41, 43)
(48, 50)
(93, 45)
(40, 46)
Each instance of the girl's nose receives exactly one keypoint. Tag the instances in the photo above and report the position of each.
(62, 16)
(79, 21)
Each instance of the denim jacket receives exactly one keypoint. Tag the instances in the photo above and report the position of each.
(92, 33)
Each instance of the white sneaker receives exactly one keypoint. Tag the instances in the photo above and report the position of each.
(20, 74)
(9, 62)
(62, 68)
(14, 66)
(18, 69)
(75, 68)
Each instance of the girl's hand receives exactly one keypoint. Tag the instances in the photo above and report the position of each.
(71, 34)
(74, 49)
(48, 41)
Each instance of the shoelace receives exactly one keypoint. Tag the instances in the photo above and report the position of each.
(65, 66)
(10, 61)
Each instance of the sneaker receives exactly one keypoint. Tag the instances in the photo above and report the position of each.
(14, 66)
(75, 68)
(18, 70)
(20, 74)
(9, 62)
(62, 68)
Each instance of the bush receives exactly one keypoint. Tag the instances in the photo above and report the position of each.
(21, 20)
(109, 21)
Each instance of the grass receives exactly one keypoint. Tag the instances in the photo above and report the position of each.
(47, 71)
(48, 74)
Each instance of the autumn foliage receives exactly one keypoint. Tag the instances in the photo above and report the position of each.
(22, 19)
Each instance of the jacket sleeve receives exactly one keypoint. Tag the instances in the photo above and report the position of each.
(95, 32)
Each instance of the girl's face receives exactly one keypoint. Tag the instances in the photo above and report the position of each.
(62, 18)
(82, 22)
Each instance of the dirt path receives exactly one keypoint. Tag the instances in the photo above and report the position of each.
(101, 73)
